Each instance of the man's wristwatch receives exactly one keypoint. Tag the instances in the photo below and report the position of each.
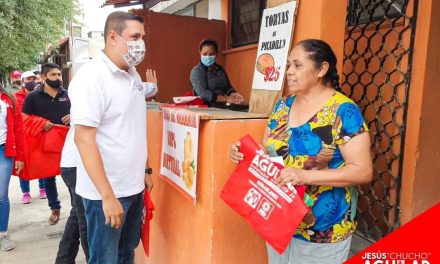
(149, 170)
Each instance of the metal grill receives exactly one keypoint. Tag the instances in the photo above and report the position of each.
(376, 75)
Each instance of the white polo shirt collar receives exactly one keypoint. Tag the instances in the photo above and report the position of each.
(112, 65)
(150, 88)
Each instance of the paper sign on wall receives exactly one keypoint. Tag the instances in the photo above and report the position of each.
(273, 47)
(179, 149)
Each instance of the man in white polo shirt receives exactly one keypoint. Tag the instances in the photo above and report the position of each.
(109, 114)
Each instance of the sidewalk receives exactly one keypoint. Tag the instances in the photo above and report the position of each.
(36, 240)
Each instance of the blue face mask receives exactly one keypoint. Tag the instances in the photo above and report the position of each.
(207, 60)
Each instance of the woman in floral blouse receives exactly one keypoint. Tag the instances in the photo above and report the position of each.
(321, 136)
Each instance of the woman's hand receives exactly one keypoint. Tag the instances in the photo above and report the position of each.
(151, 76)
(19, 165)
(235, 98)
(292, 175)
(234, 152)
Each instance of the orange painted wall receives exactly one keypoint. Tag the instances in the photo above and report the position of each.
(172, 44)
(421, 169)
(208, 232)
(234, 241)
(313, 20)
(239, 64)
(180, 231)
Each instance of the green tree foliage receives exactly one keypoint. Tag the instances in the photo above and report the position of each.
(27, 27)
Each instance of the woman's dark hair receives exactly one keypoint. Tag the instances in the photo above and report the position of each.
(47, 67)
(11, 97)
(320, 52)
(209, 42)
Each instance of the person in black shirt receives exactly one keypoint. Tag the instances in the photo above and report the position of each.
(209, 80)
(51, 103)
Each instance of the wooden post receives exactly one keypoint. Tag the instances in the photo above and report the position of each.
(262, 101)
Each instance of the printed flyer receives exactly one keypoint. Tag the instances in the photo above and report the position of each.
(179, 149)
(273, 46)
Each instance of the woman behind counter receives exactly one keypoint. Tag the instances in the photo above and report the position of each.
(324, 142)
(209, 80)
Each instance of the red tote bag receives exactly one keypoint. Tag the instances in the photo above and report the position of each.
(43, 154)
(54, 139)
(147, 215)
(251, 191)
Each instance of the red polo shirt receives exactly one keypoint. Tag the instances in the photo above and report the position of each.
(19, 98)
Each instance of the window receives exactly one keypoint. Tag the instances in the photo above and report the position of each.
(187, 11)
(246, 19)
(76, 31)
(366, 11)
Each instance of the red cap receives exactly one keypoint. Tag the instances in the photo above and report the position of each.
(16, 74)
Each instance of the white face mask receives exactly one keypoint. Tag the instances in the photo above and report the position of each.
(136, 52)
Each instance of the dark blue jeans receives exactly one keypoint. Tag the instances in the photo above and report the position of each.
(109, 245)
(76, 226)
(52, 193)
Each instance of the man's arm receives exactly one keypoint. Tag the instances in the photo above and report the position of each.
(85, 140)
(151, 90)
(151, 84)
(148, 178)
(28, 109)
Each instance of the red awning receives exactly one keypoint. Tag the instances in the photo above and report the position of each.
(121, 3)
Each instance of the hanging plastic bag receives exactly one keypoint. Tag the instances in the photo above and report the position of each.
(146, 218)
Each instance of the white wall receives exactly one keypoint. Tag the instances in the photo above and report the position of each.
(210, 9)
(215, 9)
(202, 9)
(177, 6)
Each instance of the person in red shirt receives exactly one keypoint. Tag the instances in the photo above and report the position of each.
(11, 146)
(28, 84)
(15, 82)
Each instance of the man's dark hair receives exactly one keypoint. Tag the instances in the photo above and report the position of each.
(37, 72)
(116, 21)
(47, 67)
(209, 42)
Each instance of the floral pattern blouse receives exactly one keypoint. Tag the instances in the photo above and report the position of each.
(315, 145)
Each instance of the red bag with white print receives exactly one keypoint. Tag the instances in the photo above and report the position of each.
(147, 215)
(251, 191)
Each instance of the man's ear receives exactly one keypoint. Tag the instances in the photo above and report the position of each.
(323, 69)
(111, 38)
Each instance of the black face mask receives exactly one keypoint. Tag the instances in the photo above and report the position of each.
(30, 86)
(54, 84)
